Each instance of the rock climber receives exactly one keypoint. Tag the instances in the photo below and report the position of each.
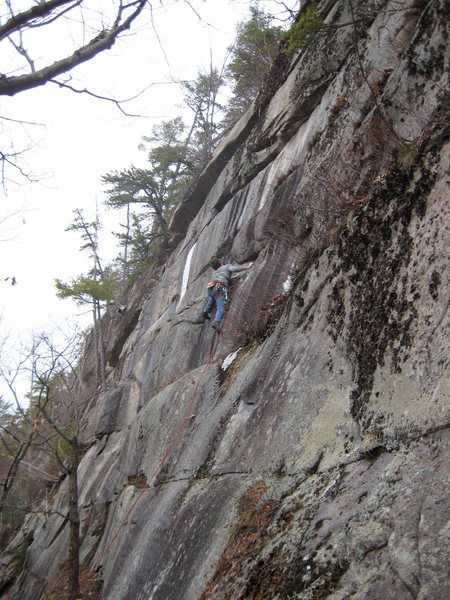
(218, 289)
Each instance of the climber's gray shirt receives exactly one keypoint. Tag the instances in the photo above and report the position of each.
(223, 273)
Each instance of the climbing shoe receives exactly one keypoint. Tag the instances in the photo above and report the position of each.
(206, 316)
(216, 326)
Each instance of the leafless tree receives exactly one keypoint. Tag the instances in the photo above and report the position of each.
(91, 34)
(41, 42)
(51, 425)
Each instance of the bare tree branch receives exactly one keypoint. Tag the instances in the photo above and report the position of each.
(118, 103)
(29, 465)
(46, 12)
(31, 17)
(155, 31)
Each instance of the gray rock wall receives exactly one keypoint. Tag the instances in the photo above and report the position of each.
(312, 465)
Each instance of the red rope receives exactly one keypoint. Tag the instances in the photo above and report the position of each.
(155, 472)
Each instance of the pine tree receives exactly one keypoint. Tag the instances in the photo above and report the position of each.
(155, 191)
(252, 56)
(201, 96)
(95, 288)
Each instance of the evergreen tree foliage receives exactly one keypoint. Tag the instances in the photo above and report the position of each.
(252, 56)
(142, 187)
(84, 289)
(89, 235)
(155, 190)
(301, 31)
(201, 96)
(135, 241)
(168, 154)
(95, 288)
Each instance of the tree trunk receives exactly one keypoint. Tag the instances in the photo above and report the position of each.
(125, 269)
(101, 348)
(74, 520)
(158, 210)
(10, 476)
(98, 343)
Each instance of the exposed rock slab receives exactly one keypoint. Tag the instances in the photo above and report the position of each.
(314, 464)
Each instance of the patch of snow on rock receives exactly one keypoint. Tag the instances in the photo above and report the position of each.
(287, 285)
(229, 359)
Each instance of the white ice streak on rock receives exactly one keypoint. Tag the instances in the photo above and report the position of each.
(184, 282)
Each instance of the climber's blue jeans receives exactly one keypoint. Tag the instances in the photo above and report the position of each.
(220, 299)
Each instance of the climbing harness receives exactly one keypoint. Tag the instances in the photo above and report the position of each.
(221, 290)
(219, 287)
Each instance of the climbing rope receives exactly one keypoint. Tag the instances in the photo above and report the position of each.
(99, 562)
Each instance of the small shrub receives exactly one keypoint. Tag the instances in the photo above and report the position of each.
(316, 137)
(406, 157)
(139, 481)
(340, 103)
(300, 32)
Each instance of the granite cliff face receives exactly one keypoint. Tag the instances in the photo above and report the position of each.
(311, 449)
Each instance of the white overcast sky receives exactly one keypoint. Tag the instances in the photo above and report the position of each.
(78, 139)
